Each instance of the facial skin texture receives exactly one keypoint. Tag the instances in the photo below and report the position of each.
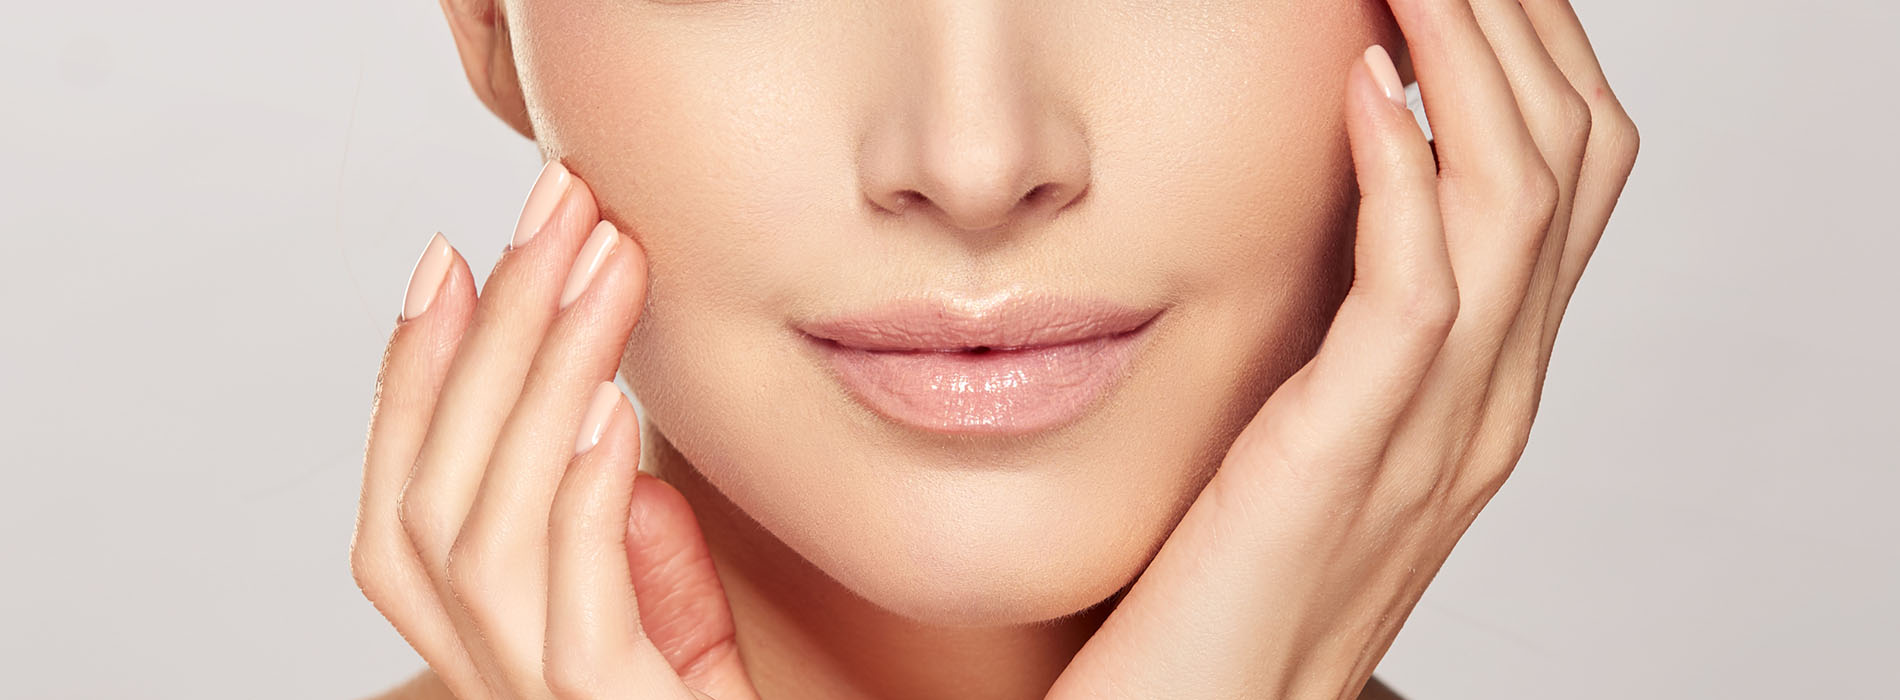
(780, 159)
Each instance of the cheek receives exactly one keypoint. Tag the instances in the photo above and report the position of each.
(1231, 158)
(716, 146)
(1219, 153)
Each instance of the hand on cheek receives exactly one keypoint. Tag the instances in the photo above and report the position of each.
(500, 502)
(1295, 568)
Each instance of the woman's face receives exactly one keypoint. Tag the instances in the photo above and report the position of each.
(785, 161)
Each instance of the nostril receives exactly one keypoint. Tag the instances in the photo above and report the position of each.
(1039, 192)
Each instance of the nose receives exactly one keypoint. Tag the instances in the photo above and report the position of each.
(967, 134)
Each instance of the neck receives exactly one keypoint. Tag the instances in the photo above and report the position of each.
(803, 635)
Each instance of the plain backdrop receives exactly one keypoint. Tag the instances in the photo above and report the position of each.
(211, 207)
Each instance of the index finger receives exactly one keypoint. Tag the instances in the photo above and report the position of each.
(436, 310)
(1476, 125)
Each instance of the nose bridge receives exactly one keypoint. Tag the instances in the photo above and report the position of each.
(970, 134)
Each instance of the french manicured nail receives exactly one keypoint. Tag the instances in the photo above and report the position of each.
(548, 188)
(426, 279)
(599, 245)
(599, 410)
(1385, 73)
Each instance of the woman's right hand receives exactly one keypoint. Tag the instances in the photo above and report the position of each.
(503, 527)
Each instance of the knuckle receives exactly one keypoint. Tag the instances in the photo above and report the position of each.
(1533, 195)
(1614, 135)
(1428, 308)
(1572, 119)
(1486, 480)
(470, 575)
(1623, 143)
(1417, 494)
(570, 672)
(418, 517)
(1522, 189)
(1519, 411)
(1496, 454)
(368, 558)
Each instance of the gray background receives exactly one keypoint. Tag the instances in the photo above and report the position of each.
(211, 208)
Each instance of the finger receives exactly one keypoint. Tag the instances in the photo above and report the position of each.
(595, 644)
(1559, 121)
(683, 606)
(512, 314)
(436, 309)
(1604, 156)
(1556, 115)
(500, 557)
(1477, 130)
(1402, 300)
(1608, 158)
(1505, 304)
(1497, 191)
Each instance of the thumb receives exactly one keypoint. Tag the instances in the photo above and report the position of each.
(683, 607)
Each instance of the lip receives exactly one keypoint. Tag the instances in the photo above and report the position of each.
(1008, 364)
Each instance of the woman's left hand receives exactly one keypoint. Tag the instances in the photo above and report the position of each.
(1293, 571)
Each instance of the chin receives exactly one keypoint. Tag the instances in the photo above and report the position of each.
(988, 548)
(960, 538)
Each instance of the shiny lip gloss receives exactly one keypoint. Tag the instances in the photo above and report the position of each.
(1010, 365)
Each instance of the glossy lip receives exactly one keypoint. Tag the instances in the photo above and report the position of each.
(1008, 364)
(1004, 322)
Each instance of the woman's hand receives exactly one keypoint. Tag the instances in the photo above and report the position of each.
(1293, 571)
(503, 527)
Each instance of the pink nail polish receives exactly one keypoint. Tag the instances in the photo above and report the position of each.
(548, 188)
(599, 245)
(425, 280)
(1385, 73)
(600, 410)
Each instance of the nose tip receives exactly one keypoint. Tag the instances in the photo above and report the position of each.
(973, 197)
(976, 165)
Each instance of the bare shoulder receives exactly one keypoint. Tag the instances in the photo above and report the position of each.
(422, 686)
(1376, 690)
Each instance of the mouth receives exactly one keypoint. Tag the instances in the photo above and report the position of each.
(1010, 365)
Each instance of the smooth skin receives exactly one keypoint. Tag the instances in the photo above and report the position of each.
(520, 568)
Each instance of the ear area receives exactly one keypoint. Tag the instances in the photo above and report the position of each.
(481, 39)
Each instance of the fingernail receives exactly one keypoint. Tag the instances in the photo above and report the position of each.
(1385, 73)
(547, 191)
(599, 410)
(599, 245)
(426, 279)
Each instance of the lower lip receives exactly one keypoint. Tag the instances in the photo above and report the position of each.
(998, 392)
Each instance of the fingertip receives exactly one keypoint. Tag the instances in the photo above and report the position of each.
(457, 296)
(602, 409)
(607, 451)
(594, 491)
(658, 510)
(435, 311)
(580, 205)
(1385, 75)
(1388, 147)
(621, 278)
(426, 278)
(1376, 100)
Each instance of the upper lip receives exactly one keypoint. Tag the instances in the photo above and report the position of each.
(999, 322)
